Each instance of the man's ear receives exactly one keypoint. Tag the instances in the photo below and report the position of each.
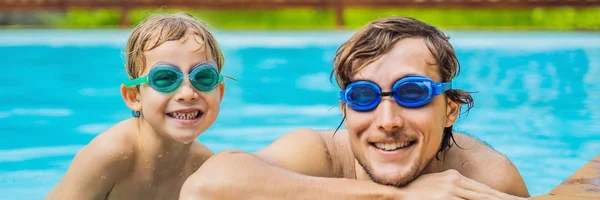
(131, 98)
(343, 108)
(452, 109)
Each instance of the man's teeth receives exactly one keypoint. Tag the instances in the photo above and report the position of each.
(392, 146)
(190, 115)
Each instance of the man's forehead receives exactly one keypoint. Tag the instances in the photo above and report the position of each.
(408, 56)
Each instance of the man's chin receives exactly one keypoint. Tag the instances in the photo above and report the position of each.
(396, 179)
(394, 175)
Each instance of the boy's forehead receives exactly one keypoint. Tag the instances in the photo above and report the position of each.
(187, 51)
(158, 40)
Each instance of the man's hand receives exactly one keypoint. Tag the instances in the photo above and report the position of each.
(451, 184)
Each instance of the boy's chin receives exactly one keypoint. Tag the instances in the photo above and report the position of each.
(186, 139)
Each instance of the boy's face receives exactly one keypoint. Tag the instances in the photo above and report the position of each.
(411, 136)
(186, 112)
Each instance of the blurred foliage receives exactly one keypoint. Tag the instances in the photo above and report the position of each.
(293, 18)
(560, 18)
(82, 18)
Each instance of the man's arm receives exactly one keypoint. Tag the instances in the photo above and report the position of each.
(93, 171)
(482, 163)
(292, 167)
(297, 166)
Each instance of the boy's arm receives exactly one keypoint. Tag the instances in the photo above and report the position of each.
(94, 170)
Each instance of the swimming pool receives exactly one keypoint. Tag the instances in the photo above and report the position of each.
(536, 102)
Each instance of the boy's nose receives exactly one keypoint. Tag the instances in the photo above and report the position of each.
(186, 92)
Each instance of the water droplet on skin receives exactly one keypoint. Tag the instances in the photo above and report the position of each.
(146, 161)
(160, 156)
(181, 174)
(150, 185)
(167, 153)
(103, 177)
(125, 158)
(121, 153)
(154, 168)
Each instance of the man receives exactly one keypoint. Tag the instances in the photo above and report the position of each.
(398, 107)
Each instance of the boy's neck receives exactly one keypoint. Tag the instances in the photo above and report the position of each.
(160, 152)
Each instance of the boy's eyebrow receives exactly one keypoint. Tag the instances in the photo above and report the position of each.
(164, 63)
(173, 65)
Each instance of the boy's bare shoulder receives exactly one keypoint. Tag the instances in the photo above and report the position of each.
(95, 169)
(115, 147)
(482, 163)
(113, 150)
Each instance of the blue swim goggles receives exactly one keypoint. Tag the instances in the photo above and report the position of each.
(166, 77)
(410, 91)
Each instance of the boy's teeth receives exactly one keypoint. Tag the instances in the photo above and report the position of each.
(391, 146)
(191, 115)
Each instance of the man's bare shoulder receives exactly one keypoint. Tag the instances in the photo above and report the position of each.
(305, 151)
(338, 147)
(199, 153)
(480, 162)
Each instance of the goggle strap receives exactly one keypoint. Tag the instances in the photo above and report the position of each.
(220, 78)
(343, 96)
(442, 87)
(137, 81)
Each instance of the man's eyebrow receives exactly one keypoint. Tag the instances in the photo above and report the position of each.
(362, 77)
(403, 76)
(410, 74)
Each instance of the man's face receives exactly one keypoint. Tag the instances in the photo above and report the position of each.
(395, 143)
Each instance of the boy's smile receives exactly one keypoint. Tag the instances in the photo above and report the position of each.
(186, 116)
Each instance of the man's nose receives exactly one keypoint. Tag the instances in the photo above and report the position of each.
(388, 114)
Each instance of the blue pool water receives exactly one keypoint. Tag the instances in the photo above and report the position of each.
(537, 99)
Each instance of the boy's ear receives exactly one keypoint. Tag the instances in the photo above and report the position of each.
(221, 90)
(131, 98)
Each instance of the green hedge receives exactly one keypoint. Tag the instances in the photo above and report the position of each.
(563, 18)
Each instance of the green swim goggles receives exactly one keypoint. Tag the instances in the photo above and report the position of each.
(166, 77)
